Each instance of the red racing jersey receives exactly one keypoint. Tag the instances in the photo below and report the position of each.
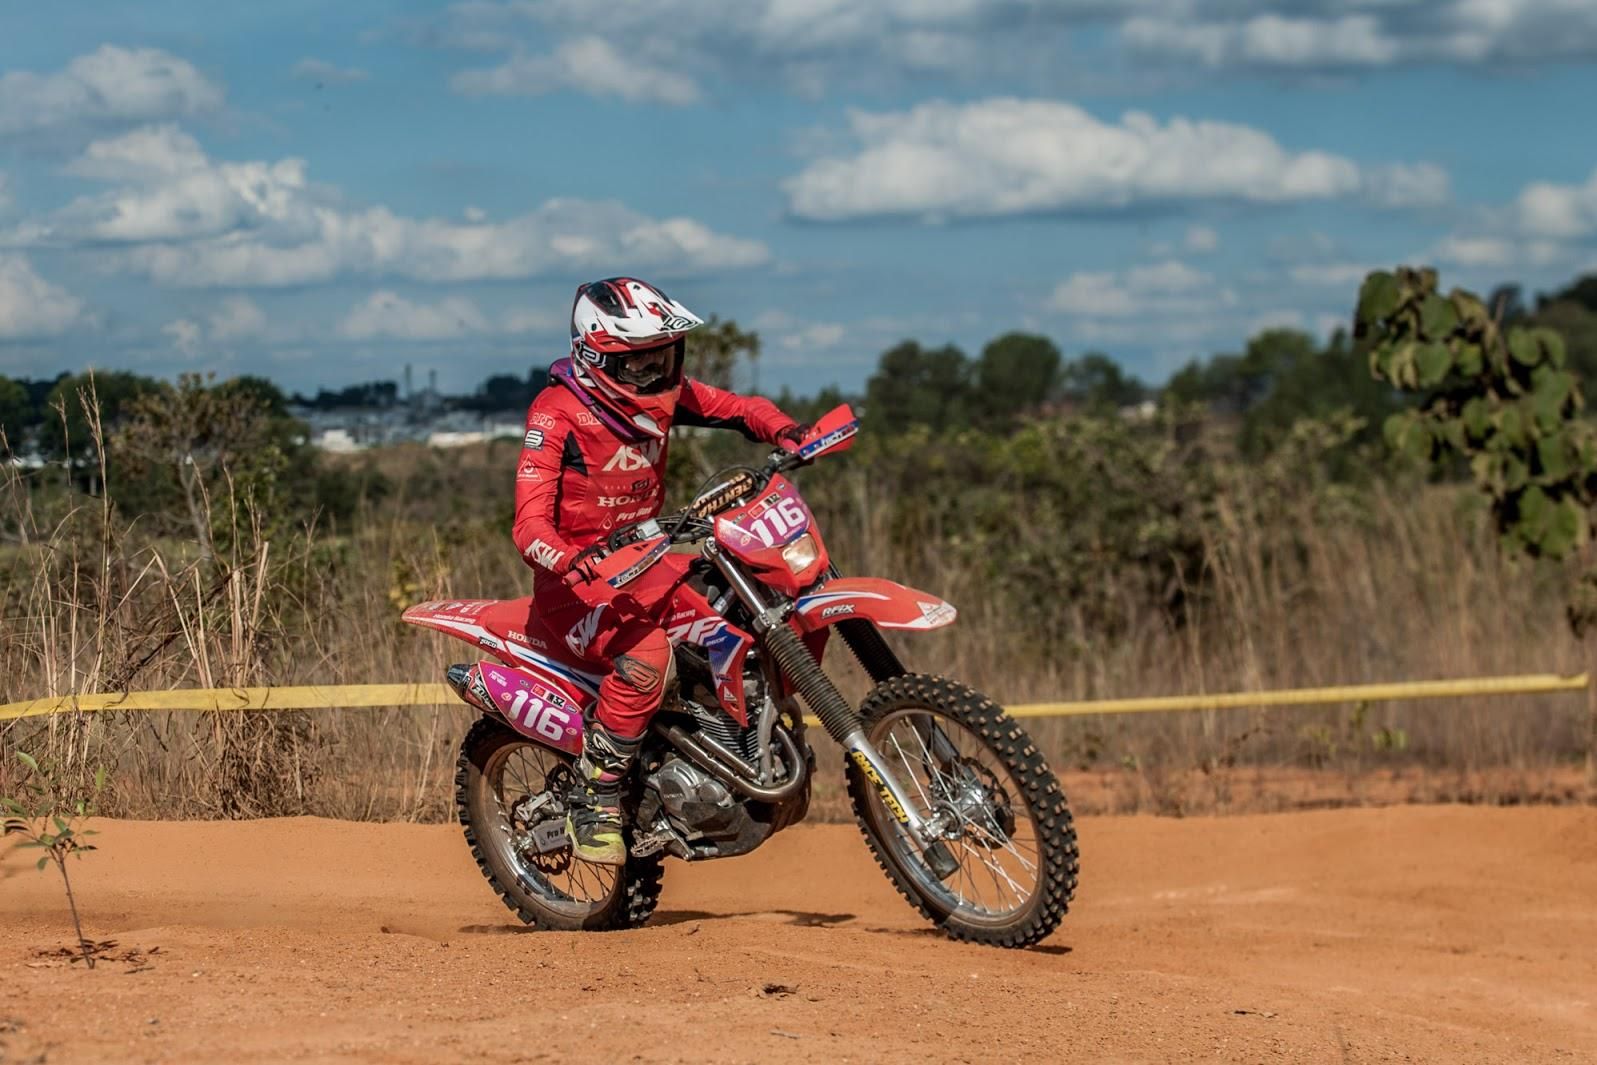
(577, 479)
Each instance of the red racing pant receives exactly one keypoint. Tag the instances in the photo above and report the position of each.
(618, 634)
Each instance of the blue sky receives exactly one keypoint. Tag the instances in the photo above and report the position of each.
(324, 193)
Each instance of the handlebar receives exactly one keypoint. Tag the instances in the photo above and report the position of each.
(693, 523)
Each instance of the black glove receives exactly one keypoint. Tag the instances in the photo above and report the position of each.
(791, 437)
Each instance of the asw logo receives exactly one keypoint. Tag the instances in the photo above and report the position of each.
(583, 632)
(627, 459)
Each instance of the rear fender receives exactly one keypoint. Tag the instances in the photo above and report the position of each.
(472, 620)
(885, 603)
(538, 707)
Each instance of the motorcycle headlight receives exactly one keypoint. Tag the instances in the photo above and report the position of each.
(801, 554)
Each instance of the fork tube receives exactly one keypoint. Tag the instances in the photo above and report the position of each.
(840, 719)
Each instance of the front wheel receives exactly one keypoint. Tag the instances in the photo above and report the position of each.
(983, 789)
(511, 797)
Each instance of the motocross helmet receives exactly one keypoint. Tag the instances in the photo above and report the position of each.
(627, 350)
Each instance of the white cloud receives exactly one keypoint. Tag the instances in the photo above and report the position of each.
(670, 50)
(111, 84)
(186, 334)
(816, 335)
(1480, 250)
(586, 64)
(1164, 288)
(1404, 185)
(185, 219)
(1279, 318)
(1265, 40)
(237, 318)
(1008, 156)
(1558, 212)
(1329, 275)
(524, 320)
(1548, 224)
(385, 314)
(1201, 239)
(30, 306)
(319, 70)
(1324, 35)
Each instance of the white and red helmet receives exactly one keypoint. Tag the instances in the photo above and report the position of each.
(627, 349)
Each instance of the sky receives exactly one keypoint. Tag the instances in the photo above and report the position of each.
(324, 194)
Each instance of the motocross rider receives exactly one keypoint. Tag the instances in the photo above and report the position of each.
(594, 459)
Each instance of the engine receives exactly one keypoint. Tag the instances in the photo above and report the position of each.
(694, 815)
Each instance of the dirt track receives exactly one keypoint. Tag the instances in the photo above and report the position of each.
(1412, 933)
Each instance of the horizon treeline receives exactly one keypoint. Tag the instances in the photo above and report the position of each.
(1244, 526)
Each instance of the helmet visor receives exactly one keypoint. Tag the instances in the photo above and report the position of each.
(649, 370)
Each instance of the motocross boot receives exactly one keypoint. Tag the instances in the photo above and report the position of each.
(595, 822)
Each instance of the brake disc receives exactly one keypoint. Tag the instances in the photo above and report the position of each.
(989, 807)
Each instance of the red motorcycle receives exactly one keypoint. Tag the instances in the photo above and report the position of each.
(951, 794)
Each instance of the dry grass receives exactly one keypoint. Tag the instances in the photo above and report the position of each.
(1407, 587)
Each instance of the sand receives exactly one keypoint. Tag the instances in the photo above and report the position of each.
(1434, 933)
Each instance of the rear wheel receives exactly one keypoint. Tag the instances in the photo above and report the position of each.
(511, 793)
(983, 789)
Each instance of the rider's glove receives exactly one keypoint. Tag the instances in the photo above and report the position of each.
(791, 437)
(583, 568)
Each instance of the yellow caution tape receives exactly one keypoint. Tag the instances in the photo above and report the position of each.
(358, 695)
(307, 698)
(1525, 684)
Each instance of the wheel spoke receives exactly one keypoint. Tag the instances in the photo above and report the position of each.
(564, 881)
(971, 789)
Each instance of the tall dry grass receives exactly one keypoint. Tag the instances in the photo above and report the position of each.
(1406, 585)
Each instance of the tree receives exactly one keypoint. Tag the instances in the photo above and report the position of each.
(1097, 384)
(1581, 291)
(715, 349)
(66, 423)
(16, 413)
(913, 385)
(1016, 372)
(207, 441)
(1503, 401)
(1577, 324)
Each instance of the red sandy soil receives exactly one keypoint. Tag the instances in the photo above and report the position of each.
(1435, 934)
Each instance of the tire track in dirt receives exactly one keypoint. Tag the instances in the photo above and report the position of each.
(1435, 933)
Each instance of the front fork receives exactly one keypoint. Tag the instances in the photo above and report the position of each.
(842, 722)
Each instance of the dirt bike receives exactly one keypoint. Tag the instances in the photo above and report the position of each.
(954, 799)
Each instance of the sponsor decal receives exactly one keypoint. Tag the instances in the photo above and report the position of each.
(611, 502)
(583, 632)
(676, 323)
(874, 777)
(634, 571)
(541, 420)
(839, 608)
(587, 420)
(477, 688)
(466, 607)
(628, 458)
(543, 554)
(533, 441)
(527, 641)
(528, 468)
(694, 631)
(834, 437)
(936, 613)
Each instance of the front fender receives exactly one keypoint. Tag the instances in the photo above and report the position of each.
(886, 603)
